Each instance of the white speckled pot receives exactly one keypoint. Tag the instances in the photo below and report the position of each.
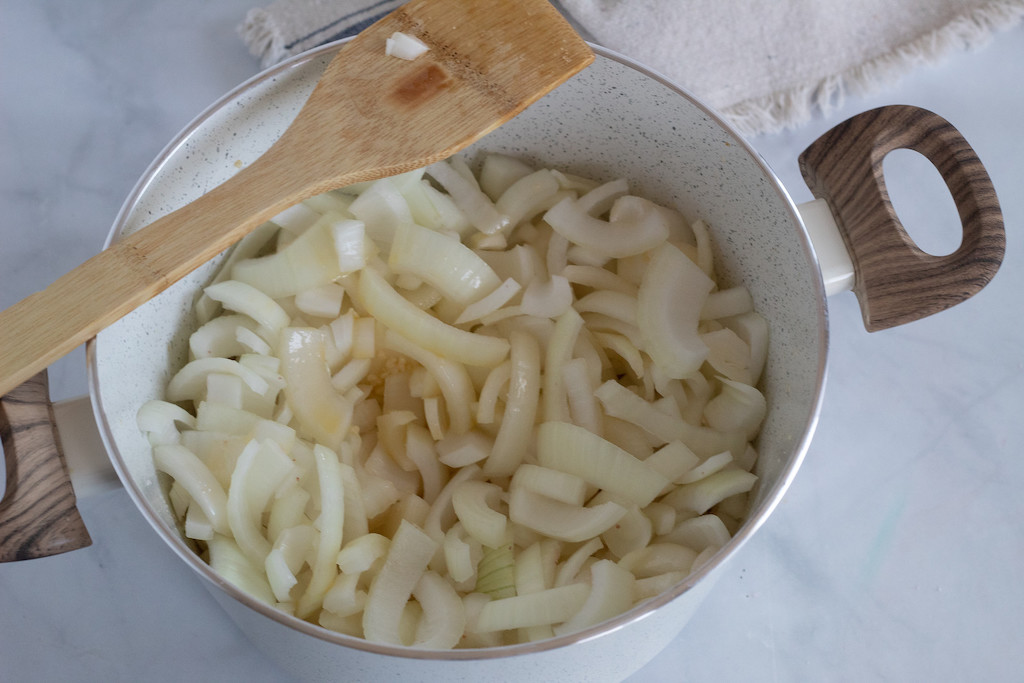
(614, 119)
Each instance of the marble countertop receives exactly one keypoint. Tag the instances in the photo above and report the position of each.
(896, 555)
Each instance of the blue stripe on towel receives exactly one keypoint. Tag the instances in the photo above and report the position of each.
(354, 28)
(351, 29)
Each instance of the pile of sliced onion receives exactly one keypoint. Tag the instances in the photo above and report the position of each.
(457, 409)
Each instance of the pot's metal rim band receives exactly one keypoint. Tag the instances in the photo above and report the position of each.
(752, 524)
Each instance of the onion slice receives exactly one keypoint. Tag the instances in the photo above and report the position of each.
(566, 447)
(408, 556)
(443, 261)
(614, 239)
(395, 312)
(550, 606)
(671, 297)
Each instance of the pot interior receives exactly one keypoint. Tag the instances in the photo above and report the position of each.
(614, 119)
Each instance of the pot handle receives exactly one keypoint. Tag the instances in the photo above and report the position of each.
(895, 281)
(38, 516)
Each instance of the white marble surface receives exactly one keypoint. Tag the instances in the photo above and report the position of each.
(895, 556)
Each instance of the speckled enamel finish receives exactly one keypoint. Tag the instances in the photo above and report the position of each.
(615, 119)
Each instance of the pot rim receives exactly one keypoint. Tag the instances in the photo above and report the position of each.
(753, 522)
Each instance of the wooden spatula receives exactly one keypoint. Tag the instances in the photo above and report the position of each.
(370, 116)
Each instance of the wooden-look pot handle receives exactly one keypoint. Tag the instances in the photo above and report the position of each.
(38, 516)
(895, 281)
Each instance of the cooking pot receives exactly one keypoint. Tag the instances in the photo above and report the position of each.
(615, 119)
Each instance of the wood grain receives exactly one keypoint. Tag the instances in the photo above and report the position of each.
(38, 516)
(369, 116)
(897, 282)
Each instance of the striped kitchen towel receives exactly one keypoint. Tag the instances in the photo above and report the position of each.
(765, 66)
(288, 27)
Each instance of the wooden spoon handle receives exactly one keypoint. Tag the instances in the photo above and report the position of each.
(38, 516)
(896, 282)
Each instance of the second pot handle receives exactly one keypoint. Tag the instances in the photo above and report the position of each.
(895, 281)
(38, 516)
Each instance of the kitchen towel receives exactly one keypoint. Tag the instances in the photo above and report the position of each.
(765, 66)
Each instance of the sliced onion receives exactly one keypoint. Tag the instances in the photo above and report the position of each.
(500, 296)
(474, 503)
(521, 405)
(196, 478)
(459, 554)
(441, 514)
(550, 606)
(598, 279)
(470, 199)
(189, 383)
(243, 510)
(725, 303)
(553, 518)
(408, 555)
(243, 298)
(404, 46)
(561, 486)
(669, 303)
(662, 516)
(250, 245)
(309, 261)
(423, 329)
(451, 376)
(443, 261)
(706, 468)
(429, 414)
(499, 172)
(728, 354)
(698, 533)
(702, 495)
(495, 575)
(331, 522)
(228, 560)
(753, 329)
(600, 199)
(620, 402)
(494, 388)
(633, 531)
(569, 448)
(658, 558)
(324, 413)
(547, 298)
(344, 598)
(447, 216)
(559, 352)
(611, 238)
(528, 196)
(160, 420)
(652, 586)
(350, 244)
(219, 337)
(459, 450)
(419, 447)
(611, 593)
(382, 209)
(673, 460)
(361, 553)
(579, 390)
(569, 569)
(444, 617)
(296, 219)
(531, 573)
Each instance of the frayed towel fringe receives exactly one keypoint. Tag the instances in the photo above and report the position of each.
(795, 107)
(264, 37)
